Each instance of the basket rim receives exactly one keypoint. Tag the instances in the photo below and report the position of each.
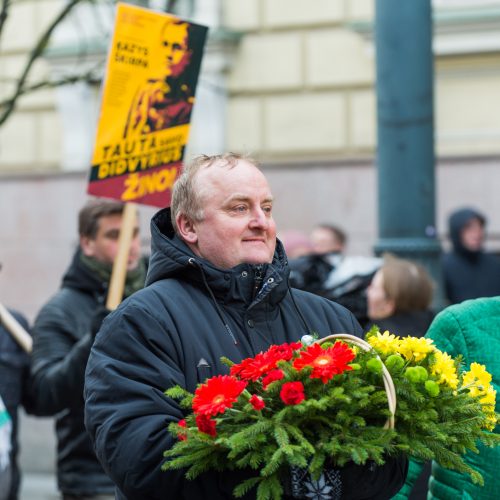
(390, 389)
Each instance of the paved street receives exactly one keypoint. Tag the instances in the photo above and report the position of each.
(37, 458)
(37, 486)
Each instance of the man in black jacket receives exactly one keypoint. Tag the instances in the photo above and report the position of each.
(217, 286)
(63, 334)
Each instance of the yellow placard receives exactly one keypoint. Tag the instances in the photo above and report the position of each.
(148, 96)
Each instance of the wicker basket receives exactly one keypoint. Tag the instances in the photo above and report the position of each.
(388, 383)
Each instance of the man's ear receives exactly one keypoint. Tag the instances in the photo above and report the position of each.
(87, 246)
(186, 229)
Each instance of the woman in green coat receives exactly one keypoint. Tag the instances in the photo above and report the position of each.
(471, 329)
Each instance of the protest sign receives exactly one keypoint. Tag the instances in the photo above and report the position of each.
(148, 95)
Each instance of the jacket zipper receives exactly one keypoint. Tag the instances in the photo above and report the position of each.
(257, 281)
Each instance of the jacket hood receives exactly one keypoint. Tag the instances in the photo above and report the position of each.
(79, 277)
(172, 258)
(457, 222)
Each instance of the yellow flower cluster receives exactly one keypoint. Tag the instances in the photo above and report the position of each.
(386, 343)
(444, 368)
(478, 380)
(413, 348)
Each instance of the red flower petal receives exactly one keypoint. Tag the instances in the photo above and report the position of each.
(181, 435)
(206, 424)
(292, 393)
(257, 402)
(273, 376)
(217, 394)
(325, 362)
(264, 362)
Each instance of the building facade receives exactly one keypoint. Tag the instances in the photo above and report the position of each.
(289, 83)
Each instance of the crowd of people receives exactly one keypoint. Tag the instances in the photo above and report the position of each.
(220, 283)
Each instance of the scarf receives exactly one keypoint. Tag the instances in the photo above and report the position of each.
(134, 280)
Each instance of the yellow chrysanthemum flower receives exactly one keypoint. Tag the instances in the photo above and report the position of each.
(415, 348)
(385, 343)
(477, 375)
(444, 367)
(489, 397)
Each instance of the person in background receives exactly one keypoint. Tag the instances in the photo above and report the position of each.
(217, 286)
(468, 271)
(63, 334)
(327, 239)
(471, 329)
(328, 272)
(14, 391)
(399, 298)
(296, 243)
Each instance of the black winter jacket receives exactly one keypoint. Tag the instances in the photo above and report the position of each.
(467, 274)
(174, 332)
(14, 389)
(62, 341)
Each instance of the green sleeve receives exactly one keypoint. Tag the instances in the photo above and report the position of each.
(447, 333)
(414, 470)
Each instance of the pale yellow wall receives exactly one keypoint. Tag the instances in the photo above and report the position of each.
(302, 85)
(468, 105)
(301, 80)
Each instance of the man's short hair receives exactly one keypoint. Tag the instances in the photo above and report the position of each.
(186, 195)
(337, 233)
(92, 211)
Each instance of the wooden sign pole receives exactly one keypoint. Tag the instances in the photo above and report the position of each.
(117, 282)
(21, 336)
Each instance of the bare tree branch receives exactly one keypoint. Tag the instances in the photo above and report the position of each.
(9, 105)
(90, 76)
(3, 14)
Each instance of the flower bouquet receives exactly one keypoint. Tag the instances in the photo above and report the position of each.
(310, 407)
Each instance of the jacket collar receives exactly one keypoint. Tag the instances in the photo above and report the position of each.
(172, 258)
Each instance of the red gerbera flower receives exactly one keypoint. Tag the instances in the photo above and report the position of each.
(325, 362)
(284, 351)
(206, 424)
(273, 376)
(292, 393)
(257, 402)
(217, 394)
(264, 362)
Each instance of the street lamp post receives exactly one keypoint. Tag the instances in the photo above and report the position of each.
(405, 128)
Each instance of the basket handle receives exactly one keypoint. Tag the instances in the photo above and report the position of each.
(388, 382)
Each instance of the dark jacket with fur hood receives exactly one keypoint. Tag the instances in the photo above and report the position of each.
(174, 332)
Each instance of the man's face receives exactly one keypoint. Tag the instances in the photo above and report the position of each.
(238, 226)
(472, 235)
(104, 247)
(324, 241)
(174, 48)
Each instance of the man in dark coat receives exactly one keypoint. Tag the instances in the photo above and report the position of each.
(14, 391)
(63, 334)
(217, 286)
(469, 271)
